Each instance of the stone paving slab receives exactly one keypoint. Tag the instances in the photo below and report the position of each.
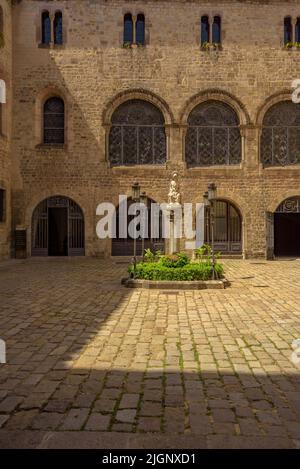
(92, 363)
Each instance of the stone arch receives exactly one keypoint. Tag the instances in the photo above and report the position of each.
(140, 94)
(215, 94)
(283, 95)
(57, 227)
(275, 203)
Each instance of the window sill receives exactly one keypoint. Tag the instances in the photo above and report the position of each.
(137, 166)
(133, 46)
(49, 146)
(227, 167)
(51, 46)
(287, 167)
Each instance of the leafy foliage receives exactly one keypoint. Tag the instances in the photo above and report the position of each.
(157, 271)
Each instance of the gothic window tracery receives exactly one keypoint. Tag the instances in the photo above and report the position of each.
(137, 134)
(213, 135)
(280, 139)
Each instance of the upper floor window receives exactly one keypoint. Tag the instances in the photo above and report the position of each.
(140, 29)
(210, 33)
(128, 29)
(46, 28)
(297, 30)
(134, 30)
(137, 134)
(213, 135)
(52, 31)
(204, 30)
(280, 139)
(58, 31)
(54, 121)
(287, 30)
(216, 30)
(2, 205)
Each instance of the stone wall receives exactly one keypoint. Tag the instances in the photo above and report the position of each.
(94, 73)
(5, 135)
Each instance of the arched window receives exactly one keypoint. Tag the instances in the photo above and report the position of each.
(287, 30)
(54, 121)
(58, 31)
(140, 29)
(213, 135)
(46, 28)
(128, 29)
(280, 140)
(204, 30)
(137, 134)
(216, 30)
(297, 30)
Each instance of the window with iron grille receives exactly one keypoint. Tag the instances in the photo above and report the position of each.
(280, 139)
(213, 136)
(54, 121)
(2, 205)
(137, 134)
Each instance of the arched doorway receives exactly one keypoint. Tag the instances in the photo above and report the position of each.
(125, 246)
(227, 228)
(57, 228)
(287, 228)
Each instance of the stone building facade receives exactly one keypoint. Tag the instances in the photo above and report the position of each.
(94, 71)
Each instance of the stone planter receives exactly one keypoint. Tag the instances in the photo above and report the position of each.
(175, 285)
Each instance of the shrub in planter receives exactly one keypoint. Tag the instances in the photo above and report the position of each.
(179, 259)
(157, 271)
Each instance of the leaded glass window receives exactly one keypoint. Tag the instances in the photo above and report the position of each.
(137, 134)
(58, 32)
(54, 121)
(280, 140)
(213, 136)
(46, 28)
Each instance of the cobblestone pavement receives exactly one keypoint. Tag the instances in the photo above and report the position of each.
(91, 363)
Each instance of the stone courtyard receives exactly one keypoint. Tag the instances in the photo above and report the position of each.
(93, 364)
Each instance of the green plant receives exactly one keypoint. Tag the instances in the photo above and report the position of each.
(204, 254)
(150, 256)
(156, 271)
(174, 261)
(127, 45)
(297, 45)
(289, 45)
